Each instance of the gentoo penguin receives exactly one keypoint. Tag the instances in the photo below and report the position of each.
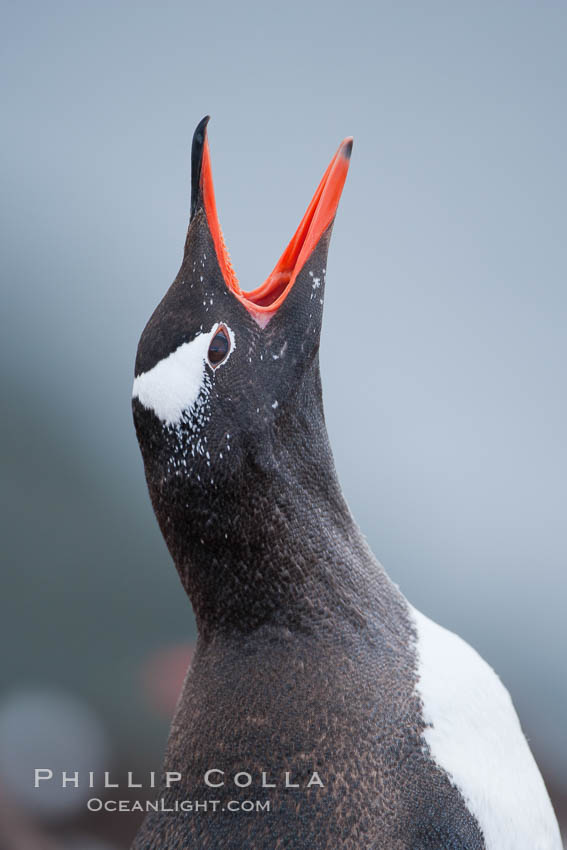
(321, 709)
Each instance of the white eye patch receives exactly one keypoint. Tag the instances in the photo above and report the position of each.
(173, 385)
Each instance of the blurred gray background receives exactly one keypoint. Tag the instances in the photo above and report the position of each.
(443, 350)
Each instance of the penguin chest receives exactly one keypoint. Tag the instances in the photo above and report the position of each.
(472, 733)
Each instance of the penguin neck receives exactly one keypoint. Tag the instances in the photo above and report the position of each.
(278, 546)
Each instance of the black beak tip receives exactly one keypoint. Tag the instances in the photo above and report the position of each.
(346, 148)
(201, 131)
(197, 148)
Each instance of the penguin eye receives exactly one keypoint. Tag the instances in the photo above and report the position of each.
(219, 348)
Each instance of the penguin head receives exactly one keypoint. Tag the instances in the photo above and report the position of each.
(217, 367)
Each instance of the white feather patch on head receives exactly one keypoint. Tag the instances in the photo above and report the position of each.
(173, 385)
(474, 735)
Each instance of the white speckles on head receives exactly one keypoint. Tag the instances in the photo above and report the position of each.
(175, 386)
(317, 280)
(317, 284)
(275, 404)
(473, 734)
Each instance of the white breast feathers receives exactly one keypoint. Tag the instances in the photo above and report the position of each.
(474, 734)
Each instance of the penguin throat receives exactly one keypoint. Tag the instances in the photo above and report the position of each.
(263, 302)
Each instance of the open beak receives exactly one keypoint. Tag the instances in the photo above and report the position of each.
(266, 299)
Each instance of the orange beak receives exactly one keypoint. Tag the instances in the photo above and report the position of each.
(263, 301)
